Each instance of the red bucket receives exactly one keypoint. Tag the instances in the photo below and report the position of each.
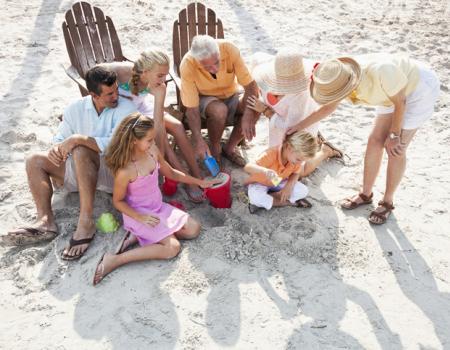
(219, 195)
(169, 187)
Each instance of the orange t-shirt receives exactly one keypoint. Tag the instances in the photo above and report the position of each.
(195, 80)
(271, 159)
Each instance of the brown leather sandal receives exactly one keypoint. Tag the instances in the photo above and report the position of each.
(383, 215)
(354, 204)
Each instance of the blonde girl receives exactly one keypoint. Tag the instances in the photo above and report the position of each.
(274, 177)
(137, 81)
(135, 162)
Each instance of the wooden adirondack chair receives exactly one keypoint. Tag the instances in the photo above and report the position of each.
(194, 19)
(90, 39)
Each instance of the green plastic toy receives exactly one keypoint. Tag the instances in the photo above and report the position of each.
(107, 223)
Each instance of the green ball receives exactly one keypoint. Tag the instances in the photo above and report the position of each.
(107, 223)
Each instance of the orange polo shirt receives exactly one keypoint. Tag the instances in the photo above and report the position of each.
(271, 159)
(196, 81)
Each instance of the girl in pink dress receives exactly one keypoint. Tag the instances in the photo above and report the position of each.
(135, 162)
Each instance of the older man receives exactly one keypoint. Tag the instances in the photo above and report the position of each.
(209, 90)
(75, 162)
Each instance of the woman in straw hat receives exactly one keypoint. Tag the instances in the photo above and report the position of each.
(286, 100)
(404, 92)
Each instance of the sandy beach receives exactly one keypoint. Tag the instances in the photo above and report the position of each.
(287, 278)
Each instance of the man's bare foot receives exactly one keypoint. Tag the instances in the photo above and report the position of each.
(106, 265)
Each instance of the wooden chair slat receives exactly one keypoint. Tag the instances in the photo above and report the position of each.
(118, 56)
(104, 35)
(70, 49)
(176, 47)
(219, 29)
(211, 23)
(78, 47)
(93, 32)
(192, 22)
(184, 41)
(84, 36)
(201, 19)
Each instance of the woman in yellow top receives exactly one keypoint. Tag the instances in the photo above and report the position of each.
(404, 92)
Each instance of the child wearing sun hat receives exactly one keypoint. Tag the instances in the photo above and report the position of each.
(283, 81)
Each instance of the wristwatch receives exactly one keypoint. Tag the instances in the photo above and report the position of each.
(393, 136)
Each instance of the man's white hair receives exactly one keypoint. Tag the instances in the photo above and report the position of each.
(203, 47)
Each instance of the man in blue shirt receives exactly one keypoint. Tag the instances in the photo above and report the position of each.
(75, 162)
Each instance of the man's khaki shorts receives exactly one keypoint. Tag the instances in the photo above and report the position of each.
(231, 102)
(105, 180)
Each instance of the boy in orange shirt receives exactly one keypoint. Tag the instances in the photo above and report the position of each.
(274, 177)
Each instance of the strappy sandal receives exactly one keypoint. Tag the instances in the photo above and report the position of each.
(383, 215)
(74, 243)
(353, 204)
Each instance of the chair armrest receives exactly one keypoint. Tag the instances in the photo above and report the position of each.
(73, 74)
(174, 78)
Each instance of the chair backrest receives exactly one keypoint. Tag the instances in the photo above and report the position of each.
(90, 37)
(194, 19)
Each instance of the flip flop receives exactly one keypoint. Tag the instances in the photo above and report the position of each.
(74, 243)
(32, 235)
(99, 265)
(120, 249)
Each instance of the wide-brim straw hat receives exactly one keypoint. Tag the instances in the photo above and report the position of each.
(283, 75)
(334, 79)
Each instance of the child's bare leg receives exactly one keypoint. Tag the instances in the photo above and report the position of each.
(167, 248)
(190, 230)
(176, 129)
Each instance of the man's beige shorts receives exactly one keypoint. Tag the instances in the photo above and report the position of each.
(231, 102)
(105, 180)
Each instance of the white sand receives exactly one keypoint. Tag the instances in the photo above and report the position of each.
(317, 279)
